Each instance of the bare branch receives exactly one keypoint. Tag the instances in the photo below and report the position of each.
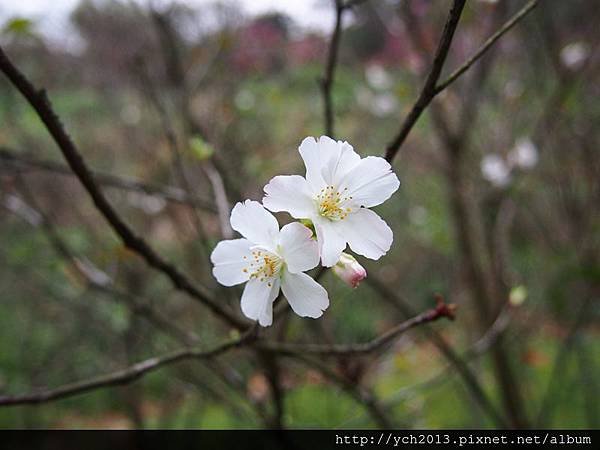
(486, 45)
(454, 359)
(124, 376)
(428, 91)
(441, 310)
(39, 101)
(328, 77)
(364, 396)
(431, 88)
(25, 162)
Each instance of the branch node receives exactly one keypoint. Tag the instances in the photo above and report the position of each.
(443, 309)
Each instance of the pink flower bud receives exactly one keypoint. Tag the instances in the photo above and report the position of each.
(349, 270)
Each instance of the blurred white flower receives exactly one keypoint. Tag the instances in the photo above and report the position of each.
(244, 100)
(335, 195)
(418, 215)
(268, 259)
(131, 114)
(349, 270)
(378, 77)
(150, 204)
(513, 89)
(524, 155)
(383, 104)
(495, 170)
(574, 54)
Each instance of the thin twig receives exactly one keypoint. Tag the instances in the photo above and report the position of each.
(431, 88)
(454, 359)
(25, 162)
(39, 101)
(123, 376)
(330, 66)
(441, 310)
(428, 91)
(486, 45)
(364, 396)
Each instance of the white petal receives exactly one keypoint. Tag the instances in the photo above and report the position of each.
(228, 260)
(306, 297)
(289, 193)
(257, 300)
(370, 182)
(298, 249)
(255, 223)
(331, 243)
(314, 161)
(367, 234)
(341, 159)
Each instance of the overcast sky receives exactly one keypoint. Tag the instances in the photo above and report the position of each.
(51, 16)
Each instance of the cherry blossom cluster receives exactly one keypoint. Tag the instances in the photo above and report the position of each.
(332, 202)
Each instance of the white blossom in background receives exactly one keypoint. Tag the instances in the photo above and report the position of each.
(335, 195)
(418, 215)
(383, 104)
(377, 77)
(495, 170)
(573, 55)
(349, 270)
(524, 155)
(268, 259)
(150, 204)
(513, 89)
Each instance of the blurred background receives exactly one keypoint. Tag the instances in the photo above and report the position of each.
(184, 108)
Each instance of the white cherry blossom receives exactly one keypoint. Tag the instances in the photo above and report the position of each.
(268, 259)
(335, 195)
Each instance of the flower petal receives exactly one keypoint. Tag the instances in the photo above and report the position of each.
(331, 243)
(229, 263)
(341, 159)
(298, 249)
(306, 297)
(370, 182)
(257, 300)
(367, 234)
(314, 161)
(289, 193)
(255, 223)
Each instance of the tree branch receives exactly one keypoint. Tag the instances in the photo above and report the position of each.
(328, 77)
(454, 359)
(429, 90)
(125, 376)
(39, 101)
(441, 310)
(25, 162)
(486, 45)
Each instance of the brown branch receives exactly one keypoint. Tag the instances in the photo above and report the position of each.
(25, 162)
(39, 101)
(124, 376)
(429, 88)
(329, 75)
(363, 396)
(486, 46)
(441, 310)
(169, 40)
(454, 359)
(95, 278)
